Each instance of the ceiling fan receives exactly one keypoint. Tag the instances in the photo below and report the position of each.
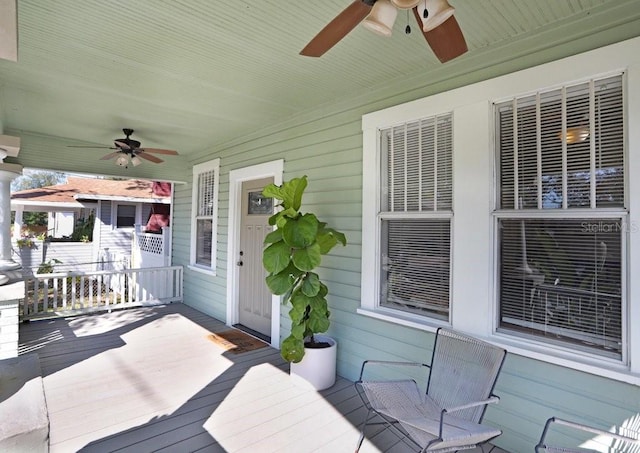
(435, 18)
(128, 151)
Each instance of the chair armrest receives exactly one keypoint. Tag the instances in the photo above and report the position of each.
(491, 400)
(388, 363)
(581, 427)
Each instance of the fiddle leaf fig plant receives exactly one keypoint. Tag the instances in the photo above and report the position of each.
(291, 253)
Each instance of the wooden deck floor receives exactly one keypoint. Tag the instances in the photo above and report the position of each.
(148, 379)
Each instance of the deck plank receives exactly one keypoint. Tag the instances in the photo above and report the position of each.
(148, 379)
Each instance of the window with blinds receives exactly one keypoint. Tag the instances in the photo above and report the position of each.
(205, 205)
(562, 219)
(415, 216)
(125, 215)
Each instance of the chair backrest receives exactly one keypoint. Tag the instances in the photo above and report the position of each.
(463, 369)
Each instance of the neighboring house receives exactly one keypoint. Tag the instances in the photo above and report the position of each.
(114, 207)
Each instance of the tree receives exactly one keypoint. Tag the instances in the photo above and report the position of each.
(34, 179)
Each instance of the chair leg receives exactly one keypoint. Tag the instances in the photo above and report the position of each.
(361, 438)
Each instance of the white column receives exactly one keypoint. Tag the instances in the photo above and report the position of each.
(17, 223)
(7, 173)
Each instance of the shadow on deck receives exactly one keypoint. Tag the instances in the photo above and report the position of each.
(148, 379)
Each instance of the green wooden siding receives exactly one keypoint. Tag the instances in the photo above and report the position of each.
(327, 146)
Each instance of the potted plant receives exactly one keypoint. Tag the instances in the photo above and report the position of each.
(291, 254)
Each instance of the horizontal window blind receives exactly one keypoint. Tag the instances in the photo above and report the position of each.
(414, 216)
(416, 168)
(206, 185)
(563, 148)
(561, 279)
(416, 266)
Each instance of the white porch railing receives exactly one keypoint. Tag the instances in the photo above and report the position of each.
(67, 293)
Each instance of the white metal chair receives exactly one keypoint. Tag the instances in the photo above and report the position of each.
(615, 442)
(446, 414)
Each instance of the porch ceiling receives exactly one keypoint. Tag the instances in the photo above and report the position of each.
(195, 74)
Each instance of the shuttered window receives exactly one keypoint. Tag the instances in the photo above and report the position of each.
(561, 218)
(415, 216)
(204, 209)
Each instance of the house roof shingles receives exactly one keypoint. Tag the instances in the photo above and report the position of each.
(90, 188)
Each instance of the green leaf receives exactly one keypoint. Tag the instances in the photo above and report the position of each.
(319, 304)
(326, 241)
(297, 314)
(273, 220)
(329, 238)
(274, 236)
(298, 331)
(276, 257)
(272, 191)
(308, 258)
(279, 283)
(323, 290)
(300, 232)
(297, 197)
(318, 321)
(311, 284)
(292, 349)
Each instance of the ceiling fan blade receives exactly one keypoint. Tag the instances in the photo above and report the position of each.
(100, 147)
(446, 40)
(122, 145)
(110, 155)
(149, 157)
(337, 29)
(160, 151)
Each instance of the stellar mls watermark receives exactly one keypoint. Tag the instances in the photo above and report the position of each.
(605, 226)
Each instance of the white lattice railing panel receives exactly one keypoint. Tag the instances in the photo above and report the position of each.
(150, 243)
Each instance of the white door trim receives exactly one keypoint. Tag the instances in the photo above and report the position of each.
(236, 178)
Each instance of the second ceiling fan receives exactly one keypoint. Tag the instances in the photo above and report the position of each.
(129, 151)
(435, 18)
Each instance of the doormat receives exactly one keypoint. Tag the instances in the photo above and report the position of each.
(236, 341)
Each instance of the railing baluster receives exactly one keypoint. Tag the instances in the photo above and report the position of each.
(60, 293)
(54, 280)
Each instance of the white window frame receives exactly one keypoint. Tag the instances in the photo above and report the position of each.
(372, 218)
(592, 213)
(114, 215)
(199, 169)
(474, 293)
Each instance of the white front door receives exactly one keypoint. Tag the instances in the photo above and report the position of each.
(254, 298)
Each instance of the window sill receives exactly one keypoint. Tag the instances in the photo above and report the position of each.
(610, 369)
(202, 270)
(403, 319)
(607, 368)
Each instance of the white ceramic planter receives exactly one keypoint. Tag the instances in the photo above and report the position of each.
(317, 369)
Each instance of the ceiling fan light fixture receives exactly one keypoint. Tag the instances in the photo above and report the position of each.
(437, 12)
(135, 160)
(405, 4)
(381, 18)
(122, 161)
